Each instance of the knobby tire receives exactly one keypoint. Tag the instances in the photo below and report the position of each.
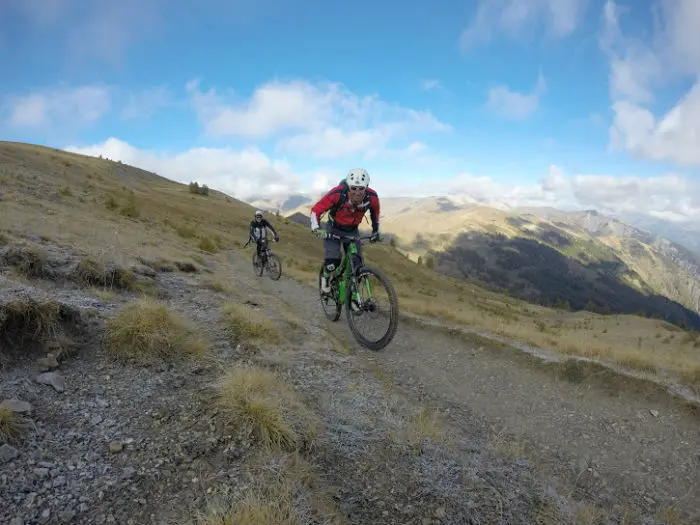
(257, 265)
(278, 274)
(335, 312)
(393, 312)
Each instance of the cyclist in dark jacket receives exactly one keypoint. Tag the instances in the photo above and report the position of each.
(258, 230)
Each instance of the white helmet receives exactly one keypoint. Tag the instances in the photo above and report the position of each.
(358, 177)
(258, 213)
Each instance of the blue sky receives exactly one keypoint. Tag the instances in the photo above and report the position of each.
(529, 101)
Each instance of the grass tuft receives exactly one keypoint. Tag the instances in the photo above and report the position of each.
(29, 261)
(269, 407)
(282, 491)
(245, 323)
(146, 330)
(10, 428)
(424, 426)
(25, 321)
(90, 272)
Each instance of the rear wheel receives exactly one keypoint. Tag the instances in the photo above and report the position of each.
(274, 266)
(372, 299)
(329, 302)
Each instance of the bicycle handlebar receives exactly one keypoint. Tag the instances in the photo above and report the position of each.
(356, 238)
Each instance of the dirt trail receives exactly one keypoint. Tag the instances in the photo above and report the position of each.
(523, 440)
(614, 443)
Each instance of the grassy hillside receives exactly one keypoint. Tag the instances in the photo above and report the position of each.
(578, 260)
(120, 214)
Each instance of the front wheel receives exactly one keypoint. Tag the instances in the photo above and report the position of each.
(371, 299)
(257, 264)
(332, 307)
(274, 266)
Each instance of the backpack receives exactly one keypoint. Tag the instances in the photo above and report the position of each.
(342, 200)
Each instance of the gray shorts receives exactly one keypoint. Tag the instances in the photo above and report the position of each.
(331, 247)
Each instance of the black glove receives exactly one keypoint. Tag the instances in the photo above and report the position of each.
(376, 237)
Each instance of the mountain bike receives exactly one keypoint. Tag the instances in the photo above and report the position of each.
(350, 285)
(268, 261)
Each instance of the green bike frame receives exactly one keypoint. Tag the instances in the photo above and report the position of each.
(345, 271)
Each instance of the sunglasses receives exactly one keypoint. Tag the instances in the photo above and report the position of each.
(356, 188)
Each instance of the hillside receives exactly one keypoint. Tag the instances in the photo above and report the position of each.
(147, 376)
(550, 257)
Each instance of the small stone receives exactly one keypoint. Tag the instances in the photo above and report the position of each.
(17, 521)
(16, 405)
(440, 513)
(59, 481)
(48, 363)
(66, 516)
(41, 472)
(654, 413)
(128, 473)
(96, 420)
(53, 379)
(115, 447)
(7, 453)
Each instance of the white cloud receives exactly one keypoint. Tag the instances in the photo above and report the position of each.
(663, 196)
(144, 104)
(58, 106)
(429, 84)
(516, 17)
(515, 105)
(324, 120)
(243, 173)
(62, 108)
(249, 174)
(640, 66)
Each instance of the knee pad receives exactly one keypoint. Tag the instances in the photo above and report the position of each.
(331, 264)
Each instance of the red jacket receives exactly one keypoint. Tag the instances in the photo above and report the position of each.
(346, 215)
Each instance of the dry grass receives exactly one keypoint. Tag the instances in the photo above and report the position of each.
(218, 286)
(245, 323)
(167, 210)
(269, 407)
(10, 429)
(92, 272)
(146, 330)
(25, 322)
(670, 516)
(283, 491)
(27, 259)
(425, 425)
(507, 446)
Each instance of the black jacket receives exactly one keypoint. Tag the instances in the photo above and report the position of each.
(260, 228)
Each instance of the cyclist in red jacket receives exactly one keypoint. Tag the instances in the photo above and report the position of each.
(347, 204)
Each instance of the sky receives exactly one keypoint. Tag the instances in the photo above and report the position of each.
(566, 103)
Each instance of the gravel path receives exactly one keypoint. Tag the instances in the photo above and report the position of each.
(120, 443)
(602, 438)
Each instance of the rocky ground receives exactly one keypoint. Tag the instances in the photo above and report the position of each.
(434, 429)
